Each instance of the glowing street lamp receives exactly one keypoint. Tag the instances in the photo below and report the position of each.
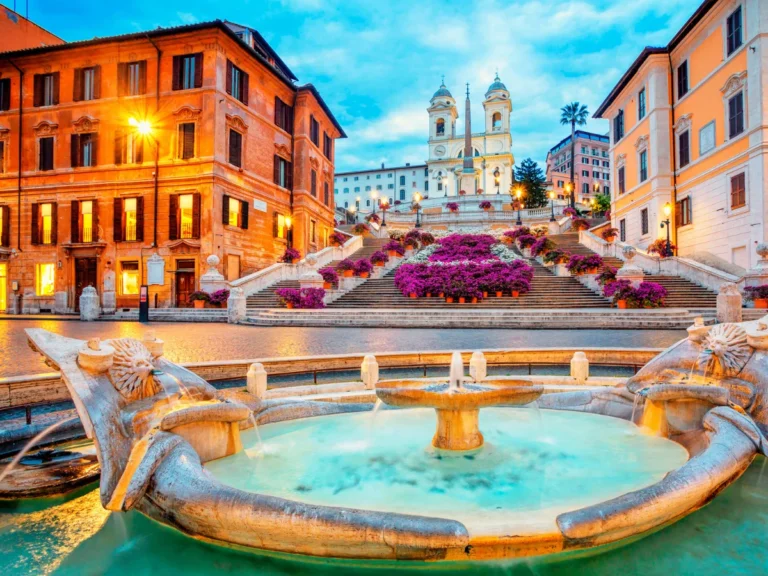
(417, 199)
(497, 178)
(353, 210)
(552, 204)
(384, 208)
(289, 231)
(569, 190)
(374, 196)
(666, 223)
(519, 194)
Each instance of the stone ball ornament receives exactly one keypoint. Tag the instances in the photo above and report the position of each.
(213, 261)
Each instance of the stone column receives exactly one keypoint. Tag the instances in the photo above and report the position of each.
(213, 280)
(478, 366)
(630, 271)
(108, 298)
(236, 309)
(30, 304)
(369, 371)
(256, 380)
(729, 303)
(89, 304)
(60, 302)
(580, 367)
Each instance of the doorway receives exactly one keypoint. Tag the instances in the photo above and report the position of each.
(185, 282)
(85, 275)
(3, 286)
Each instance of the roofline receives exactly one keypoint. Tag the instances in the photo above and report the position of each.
(577, 133)
(648, 51)
(381, 169)
(33, 23)
(269, 48)
(311, 88)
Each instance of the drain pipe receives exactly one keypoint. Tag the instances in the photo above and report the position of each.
(673, 219)
(293, 170)
(18, 184)
(157, 141)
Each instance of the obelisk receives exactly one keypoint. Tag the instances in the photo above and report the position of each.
(468, 181)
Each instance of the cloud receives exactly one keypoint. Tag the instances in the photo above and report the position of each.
(187, 17)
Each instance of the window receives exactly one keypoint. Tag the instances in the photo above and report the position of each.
(235, 148)
(426, 185)
(313, 183)
(618, 126)
(440, 127)
(129, 278)
(328, 146)
(280, 228)
(5, 226)
(595, 174)
(594, 152)
(585, 173)
(368, 202)
(683, 212)
(736, 115)
(283, 175)
(129, 219)
(402, 180)
(606, 190)
(496, 121)
(185, 216)
(684, 148)
(326, 195)
(606, 164)
(644, 221)
(585, 160)
(44, 218)
(346, 190)
(5, 93)
(560, 183)
(284, 116)
(188, 71)
(738, 191)
(641, 104)
(623, 230)
(84, 147)
(237, 83)
(595, 162)
(584, 149)
(682, 80)
(186, 140)
(132, 78)
(234, 212)
(87, 83)
(622, 188)
(129, 147)
(84, 222)
(643, 165)
(314, 131)
(378, 176)
(45, 275)
(313, 231)
(390, 186)
(357, 178)
(585, 188)
(46, 89)
(734, 31)
(402, 194)
(357, 188)
(606, 176)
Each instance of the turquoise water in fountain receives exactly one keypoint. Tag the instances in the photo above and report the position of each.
(534, 465)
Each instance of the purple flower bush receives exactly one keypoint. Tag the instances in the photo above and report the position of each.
(542, 246)
(413, 233)
(579, 224)
(345, 265)
(305, 298)
(575, 264)
(329, 275)
(557, 256)
(362, 266)
(395, 246)
(338, 238)
(452, 206)
(646, 295)
(220, 296)
(360, 229)
(570, 212)
(427, 239)
(619, 290)
(485, 205)
(290, 255)
(607, 276)
(459, 247)
(373, 218)
(379, 257)
(517, 232)
(411, 242)
(526, 240)
(585, 263)
(756, 292)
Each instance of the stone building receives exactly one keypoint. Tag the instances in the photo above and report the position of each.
(17, 32)
(165, 147)
(359, 189)
(687, 136)
(591, 173)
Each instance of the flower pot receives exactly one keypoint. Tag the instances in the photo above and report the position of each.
(462, 299)
(454, 211)
(199, 303)
(326, 285)
(761, 302)
(485, 294)
(610, 238)
(412, 295)
(592, 271)
(348, 273)
(364, 274)
(474, 299)
(289, 305)
(379, 264)
(295, 261)
(449, 299)
(429, 294)
(392, 253)
(441, 295)
(486, 209)
(515, 293)
(622, 304)
(499, 293)
(408, 248)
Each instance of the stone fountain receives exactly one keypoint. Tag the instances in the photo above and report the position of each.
(457, 403)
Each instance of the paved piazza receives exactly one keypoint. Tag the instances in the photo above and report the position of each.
(200, 342)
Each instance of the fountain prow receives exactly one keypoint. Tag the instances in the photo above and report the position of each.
(456, 375)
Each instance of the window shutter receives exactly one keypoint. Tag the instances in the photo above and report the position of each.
(122, 79)
(5, 233)
(96, 82)
(225, 209)
(117, 220)
(35, 224)
(77, 90)
(119, 147)
(275, 228)
(138, 152)
(243, 88)
(55, 87)
(143, 76)
(244, 215)
(95, 221)
(173, 217)
(689, 210)
(289, 175)
(678, 214)
(196, 216)
(140, 218)
(313, 183)
(54, 223)
(5, 86)
(176, 72)
(74, 221)
(75, 150)
(37, 99)
(278, 113)
(94, 148)
(228, 81)
(188, 143)
(198, 70)
(276, 170)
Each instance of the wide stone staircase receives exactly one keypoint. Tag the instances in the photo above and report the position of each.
(682, 293)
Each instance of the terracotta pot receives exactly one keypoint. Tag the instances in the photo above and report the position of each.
(515, 293)
(348, 273)
(413, 295)
(295, 261)
(485, 294)
(326, 285)
(486, 209)
(449, 299)
(610, 238)
(364, 274)
(592, 271)
(379, 264)
(289, 305)
(199, 303)
(429, 294)
(441, 295)
(499, 294)
(454, 211)
(622, 304)
(462, 300)
(392, 253)
(474, 299)
(761, 302)
(408, 248)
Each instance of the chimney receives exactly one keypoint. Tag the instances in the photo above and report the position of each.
(382, 165)
(407, 163)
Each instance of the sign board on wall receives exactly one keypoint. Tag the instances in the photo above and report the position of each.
(260, 205)
(155, 270)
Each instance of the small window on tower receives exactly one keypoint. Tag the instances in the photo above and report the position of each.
(496, 121)
(440, 127)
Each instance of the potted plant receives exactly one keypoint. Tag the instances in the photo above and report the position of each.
(570, 212)
(649, 295)
(462, 192)
(361, 229)
(609, 234)
(576, 265)
(592, 264)
(542, 246)
(410, 243)
(758, 295)
(379, 258)
(311, 298)
(346, 267)
(199, 298)
(607, 276)
(290, 297)
(525, 242)
(290, 256)
(427, 239)
(219, 297)
(519, 285)
(486, 205)
(579, 224)
(373, 218)
(337, 239)
(396, 234)
(330, 277)
(363, 268)
(452, 206)
(621, 292)
(394, 248)
(659, 246)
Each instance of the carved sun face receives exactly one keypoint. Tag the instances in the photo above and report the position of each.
(725, 350)
(131, 372)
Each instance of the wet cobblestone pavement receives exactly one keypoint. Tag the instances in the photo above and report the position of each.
(185, 342)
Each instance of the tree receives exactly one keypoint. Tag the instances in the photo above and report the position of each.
(531, 178)
(602, 203)
(573, 114)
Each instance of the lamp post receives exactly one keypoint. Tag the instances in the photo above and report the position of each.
(552, 204)
(289, 232)
(569, 191)
(442, 184)
(144, 128)
(384, 208)
(374, 196)
(666, 223)
(497, 178)
(417, 199)
(519, 194)
(353, 210)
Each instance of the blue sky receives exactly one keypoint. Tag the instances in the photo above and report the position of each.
(378, 62)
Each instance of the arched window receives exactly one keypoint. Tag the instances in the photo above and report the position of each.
(475, 150)
(440, 127)
(402, 194)
(367, 202)
(402, 180)
(346, 204)
(496, 120)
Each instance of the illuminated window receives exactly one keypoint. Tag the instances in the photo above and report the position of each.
(281, 226)
(46, 217)
(131, 220)
(234, 213)
(440, 127)
(129, 278)
(44, 279)
(186, 210)
(86, 213)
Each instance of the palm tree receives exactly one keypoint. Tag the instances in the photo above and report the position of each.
(573, 113)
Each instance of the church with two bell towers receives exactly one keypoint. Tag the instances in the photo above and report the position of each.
(472, 162)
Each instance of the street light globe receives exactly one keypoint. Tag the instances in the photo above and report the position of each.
(667, 209)
(551, 195)
(519, 193)
(417, 197)
(374, 194)
(351, 209)
(288, 222)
